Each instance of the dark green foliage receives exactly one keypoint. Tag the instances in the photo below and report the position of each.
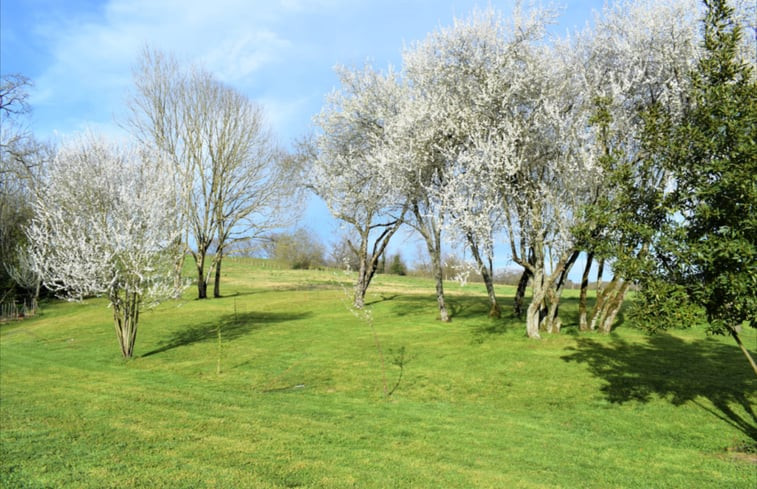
(706, 249)
(397, 265)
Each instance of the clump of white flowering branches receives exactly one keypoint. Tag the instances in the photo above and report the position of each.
(106, 225)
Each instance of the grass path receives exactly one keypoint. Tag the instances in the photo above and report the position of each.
(299, 399)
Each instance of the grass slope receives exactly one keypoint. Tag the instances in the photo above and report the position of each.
(299, 402)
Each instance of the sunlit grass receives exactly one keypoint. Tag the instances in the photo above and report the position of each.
(299, 399)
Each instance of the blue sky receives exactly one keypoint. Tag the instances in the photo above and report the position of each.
(280, 53)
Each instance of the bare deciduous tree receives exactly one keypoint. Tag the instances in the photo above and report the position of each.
(21, 162)
(232, 176)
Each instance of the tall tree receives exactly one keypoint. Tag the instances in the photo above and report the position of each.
(543, 167)
(470, 64)
(230, 173)
(705, 252)
(22, 159)
(635, 56)
(456, 83)
(346, 172)
(105, 224)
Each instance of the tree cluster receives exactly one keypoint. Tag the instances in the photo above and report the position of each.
(300, 249)
(493, 131)
(22, 160)
(631, 141)
(202, 176)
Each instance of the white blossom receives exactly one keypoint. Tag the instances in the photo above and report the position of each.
(105, 225)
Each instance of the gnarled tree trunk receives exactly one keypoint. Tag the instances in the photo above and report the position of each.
(612, 307)
(369, 262)
(552, 321)
(125, 320)
(486, 275)
(608, 305)
(520, 292)
(583, 322)
(533, 313)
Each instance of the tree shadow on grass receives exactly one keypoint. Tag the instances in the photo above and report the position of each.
(487, 328)
(509, 321)
(384, 298)
(458, 307)
(676, 370)
(232, 326)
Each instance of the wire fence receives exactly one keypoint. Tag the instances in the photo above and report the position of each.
(10, 311)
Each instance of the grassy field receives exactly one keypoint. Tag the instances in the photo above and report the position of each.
(299, 398)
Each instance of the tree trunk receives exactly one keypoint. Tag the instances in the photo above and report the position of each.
(361, 285)
(432, 235)
(599, 311)
(600, 272)
(436, 265)
(735, 334)
(202, 281)
(486, 275)
(494, 310)
(534, 311)
(125, 320)
(202, 286)
(369, 264)
(364, 280)
(520, 293)
(582, 320)
(37, 288)
(540, 285)
(613, 307)
(217, 281)
(553, 322)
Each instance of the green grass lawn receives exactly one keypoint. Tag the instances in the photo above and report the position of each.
(299, 400)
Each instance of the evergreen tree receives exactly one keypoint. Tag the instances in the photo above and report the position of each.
(706, 251)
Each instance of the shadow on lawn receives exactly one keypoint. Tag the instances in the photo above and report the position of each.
(676, 370)
(509, 321)
(232, 326)
(460, 307)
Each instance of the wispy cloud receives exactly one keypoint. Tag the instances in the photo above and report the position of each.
(278, 52)
(91, 53)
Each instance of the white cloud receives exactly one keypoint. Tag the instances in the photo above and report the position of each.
(236, 58)
(91, 55)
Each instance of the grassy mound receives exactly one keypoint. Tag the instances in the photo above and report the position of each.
(293, 395)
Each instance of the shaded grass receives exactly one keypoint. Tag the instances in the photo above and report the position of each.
(299, 402)
(671, 368)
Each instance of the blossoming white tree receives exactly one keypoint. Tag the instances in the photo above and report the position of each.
(483, 83)
(495, 130)
(446, 100)
(544, 152)
(105, 224)
(346, 173)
